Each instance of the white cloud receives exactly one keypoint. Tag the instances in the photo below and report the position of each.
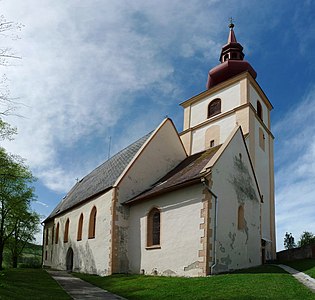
(83, 65)
(295, 169)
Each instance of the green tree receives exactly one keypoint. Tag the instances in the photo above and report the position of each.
(289, 241)
(307, 238)
(26, 226)
(16, 194)
(6, 131)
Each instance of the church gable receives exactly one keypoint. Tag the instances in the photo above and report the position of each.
(238, 241)
(161, 153)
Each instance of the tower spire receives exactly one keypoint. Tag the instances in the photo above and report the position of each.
(232, 38)
(233, 49)
(232, 61)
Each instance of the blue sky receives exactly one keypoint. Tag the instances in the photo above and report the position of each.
(98, 69)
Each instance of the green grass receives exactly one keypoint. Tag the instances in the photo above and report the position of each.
(265, 282)
(305, 265)
(29, 284)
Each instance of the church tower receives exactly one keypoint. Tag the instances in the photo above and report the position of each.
(234, 98)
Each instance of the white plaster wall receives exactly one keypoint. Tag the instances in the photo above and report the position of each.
(236, 248)
(90, 255)
(180, 234)
(263, 176)
(49, 247)
(254, 96)
(226, 126)
(162, 154)
(230, 98)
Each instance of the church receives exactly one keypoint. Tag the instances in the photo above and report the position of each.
(193, 203)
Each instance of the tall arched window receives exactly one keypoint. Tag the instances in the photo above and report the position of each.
(57, 234)
(53, 234)
(46, 237)
(80, 225)
(240, 218)
(92, 223)
(259, 110)
(153, 227)
(214, 107)
(66, 233)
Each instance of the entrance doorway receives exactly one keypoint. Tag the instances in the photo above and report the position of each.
(69, 260)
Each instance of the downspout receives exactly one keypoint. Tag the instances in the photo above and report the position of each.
(214, 261)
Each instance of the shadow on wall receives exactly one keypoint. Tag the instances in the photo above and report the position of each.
(81, 259)
(135, 259)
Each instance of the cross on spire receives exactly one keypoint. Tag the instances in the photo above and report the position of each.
(231, 25)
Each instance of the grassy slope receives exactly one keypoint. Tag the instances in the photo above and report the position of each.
(305, 265)
(266, 282)
(29, 284)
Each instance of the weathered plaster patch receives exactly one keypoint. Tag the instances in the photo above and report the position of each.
(242, 182)
(154, 272)
(124, 211)
(192, 266)
(246, 231)
(123, 258)
(222, 249)
(226, 260)
(169, 272)
(232, 238)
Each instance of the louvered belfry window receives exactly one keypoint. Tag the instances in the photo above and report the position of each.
(214, 107)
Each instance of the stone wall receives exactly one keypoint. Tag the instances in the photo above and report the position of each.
(297, 253)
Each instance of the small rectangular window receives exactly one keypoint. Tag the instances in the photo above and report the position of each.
(262, 139)
(212, 143)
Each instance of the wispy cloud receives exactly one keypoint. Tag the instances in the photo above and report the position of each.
(85, 68)
(295, 169)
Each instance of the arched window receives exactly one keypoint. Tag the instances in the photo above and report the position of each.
(153, 227)
(240, 218)
(92, 223)
(259, 110)
(66, 233)
(57, 234)
(53, 234)
(80, 225)
(46, 237)
(214, 107)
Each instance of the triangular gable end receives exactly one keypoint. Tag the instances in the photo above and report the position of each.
(237, 131)
(157, 156)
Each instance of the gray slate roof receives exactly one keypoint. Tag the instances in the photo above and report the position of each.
(188, 171)
(100, 179)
